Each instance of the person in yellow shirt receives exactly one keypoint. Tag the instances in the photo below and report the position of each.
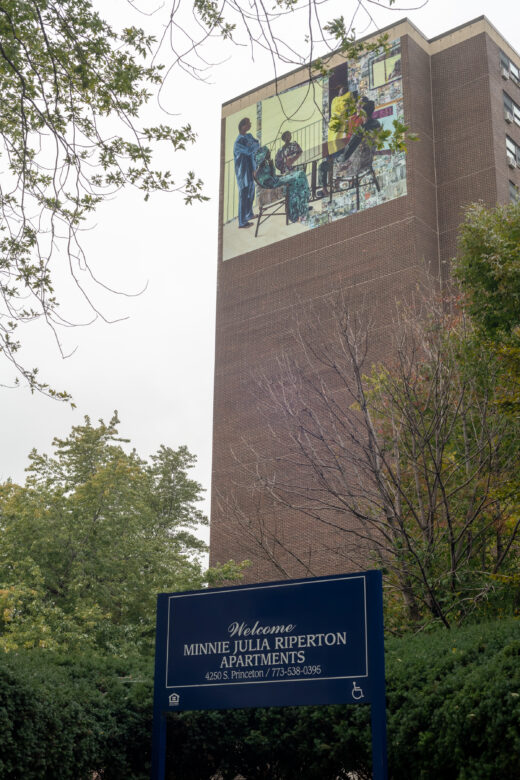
(338, 134)
(344, 129)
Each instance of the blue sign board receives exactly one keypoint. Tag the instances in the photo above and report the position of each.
(309, 641)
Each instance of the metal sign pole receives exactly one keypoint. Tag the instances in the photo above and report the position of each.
(379, 757)
(159, 746)
(378, 707)
(159, 714)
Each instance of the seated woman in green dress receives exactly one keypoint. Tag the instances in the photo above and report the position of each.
(298, 192)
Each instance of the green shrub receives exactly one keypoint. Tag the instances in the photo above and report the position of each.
(67, 717)
(454, 704)
(453, 712)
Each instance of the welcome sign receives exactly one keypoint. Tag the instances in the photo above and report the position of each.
(294, 642)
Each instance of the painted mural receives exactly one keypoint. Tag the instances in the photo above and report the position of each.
(301, 159)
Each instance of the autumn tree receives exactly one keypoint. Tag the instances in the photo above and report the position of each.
(406, 460)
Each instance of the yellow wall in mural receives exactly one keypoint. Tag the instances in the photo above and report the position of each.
(294, 110)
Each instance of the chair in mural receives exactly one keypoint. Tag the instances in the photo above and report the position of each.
(271, 202)
(355, 173)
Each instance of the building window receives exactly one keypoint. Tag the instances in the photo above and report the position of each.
(512, 153)
(511, 110)
(508, 108)
(514, 193)
(508, 69)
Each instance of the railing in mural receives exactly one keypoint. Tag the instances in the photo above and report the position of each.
(310, 138)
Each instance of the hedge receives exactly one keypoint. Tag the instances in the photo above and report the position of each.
(68, 717)
(453, 712)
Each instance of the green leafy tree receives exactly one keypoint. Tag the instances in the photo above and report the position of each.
(487, 269)
(92, 537)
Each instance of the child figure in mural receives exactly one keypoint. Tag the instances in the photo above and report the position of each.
(288, 154)
(298, 192)
(244, 150)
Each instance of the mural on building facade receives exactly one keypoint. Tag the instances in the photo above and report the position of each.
(293, 162)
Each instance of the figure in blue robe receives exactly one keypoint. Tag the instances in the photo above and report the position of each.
(244, 155)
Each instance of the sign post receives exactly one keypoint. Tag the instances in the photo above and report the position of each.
(294, 642)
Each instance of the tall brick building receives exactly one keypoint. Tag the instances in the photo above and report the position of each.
(366, 223)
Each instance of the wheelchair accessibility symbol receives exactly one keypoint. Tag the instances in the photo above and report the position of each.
(357, 692)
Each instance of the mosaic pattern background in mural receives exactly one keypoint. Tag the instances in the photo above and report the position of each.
(291, 167)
